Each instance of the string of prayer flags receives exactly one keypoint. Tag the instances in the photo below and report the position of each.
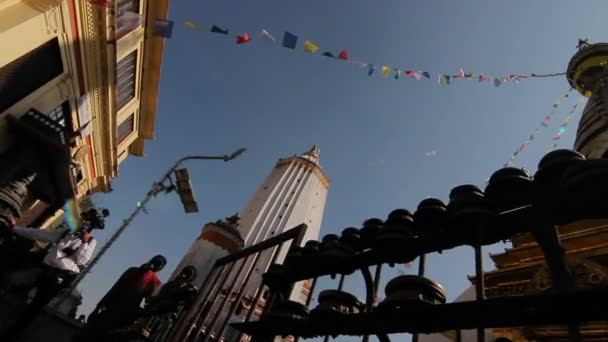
(562, 128)
(343, 55)
(310, 47)
(544, 123)
(245, 38)
(385, 71)
(290, 40)
(267, 37)
(217, 29)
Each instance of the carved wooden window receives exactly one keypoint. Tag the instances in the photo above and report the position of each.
(124, 129)
(128, 18)
(125, 79)
(29, 72)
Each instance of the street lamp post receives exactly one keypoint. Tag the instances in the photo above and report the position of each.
(156, 188)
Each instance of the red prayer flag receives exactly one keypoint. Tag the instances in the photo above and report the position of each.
(521, 148)
(460, 74)
(548, 118)
(410, 73)
(556, 137)
(482, 77)
(344, 55)
(243, 39)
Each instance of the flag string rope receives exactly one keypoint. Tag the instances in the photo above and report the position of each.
(290, 41)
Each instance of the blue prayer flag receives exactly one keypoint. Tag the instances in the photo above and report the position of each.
(163, 28)
(290, 40)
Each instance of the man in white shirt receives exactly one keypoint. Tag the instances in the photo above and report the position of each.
(66, 255)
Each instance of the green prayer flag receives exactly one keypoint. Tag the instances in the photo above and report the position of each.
(328, 54)
(217, 29)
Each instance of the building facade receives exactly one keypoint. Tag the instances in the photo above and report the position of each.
(78, 91)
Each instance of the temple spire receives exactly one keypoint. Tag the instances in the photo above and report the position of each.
(312, 154)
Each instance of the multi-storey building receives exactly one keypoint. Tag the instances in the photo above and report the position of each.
(78, 91)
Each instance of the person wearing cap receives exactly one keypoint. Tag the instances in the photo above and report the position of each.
(66, 254)
(121, 306)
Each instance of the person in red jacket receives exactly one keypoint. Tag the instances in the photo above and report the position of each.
(121, 306)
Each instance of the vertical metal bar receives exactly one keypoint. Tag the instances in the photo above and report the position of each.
(200, 320)
(312, 290)
(480, 287)
(260, 290)
(239, 296)
(421, 271)
(340, 286)
(182, 324)
(377, 276)
(421, 265)
(226, 299)
(309, 299)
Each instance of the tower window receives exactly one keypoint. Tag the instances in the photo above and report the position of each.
(124, 129)
(125, 79)
(266, 187)
(128, 17)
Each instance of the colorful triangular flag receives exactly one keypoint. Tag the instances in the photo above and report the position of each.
(245, 38)
(443, 79)
(192, 25)
(328, 54)
(310, 47)
(385, 71)
(217, 29)
(482, 78)
(289, 40)
(343, 55)
(370, 69)
(426, 74)
(397, 73)
(497, 82)
(162, 28)
(409, 73)
(460, 74)
(266, 36)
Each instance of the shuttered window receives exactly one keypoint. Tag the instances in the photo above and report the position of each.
(124, 129)
(29, 72)
(128, 17)
(125, 79)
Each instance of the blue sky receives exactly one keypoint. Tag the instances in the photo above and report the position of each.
(373, 133)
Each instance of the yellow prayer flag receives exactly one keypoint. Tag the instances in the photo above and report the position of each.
(386, 71)
(568, 118)
(310, 47)
(192, 26)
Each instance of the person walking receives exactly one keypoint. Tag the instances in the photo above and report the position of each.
(121, 306)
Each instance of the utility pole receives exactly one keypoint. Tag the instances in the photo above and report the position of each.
(156, 188)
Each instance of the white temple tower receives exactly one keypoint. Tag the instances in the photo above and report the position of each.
(293, 193)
